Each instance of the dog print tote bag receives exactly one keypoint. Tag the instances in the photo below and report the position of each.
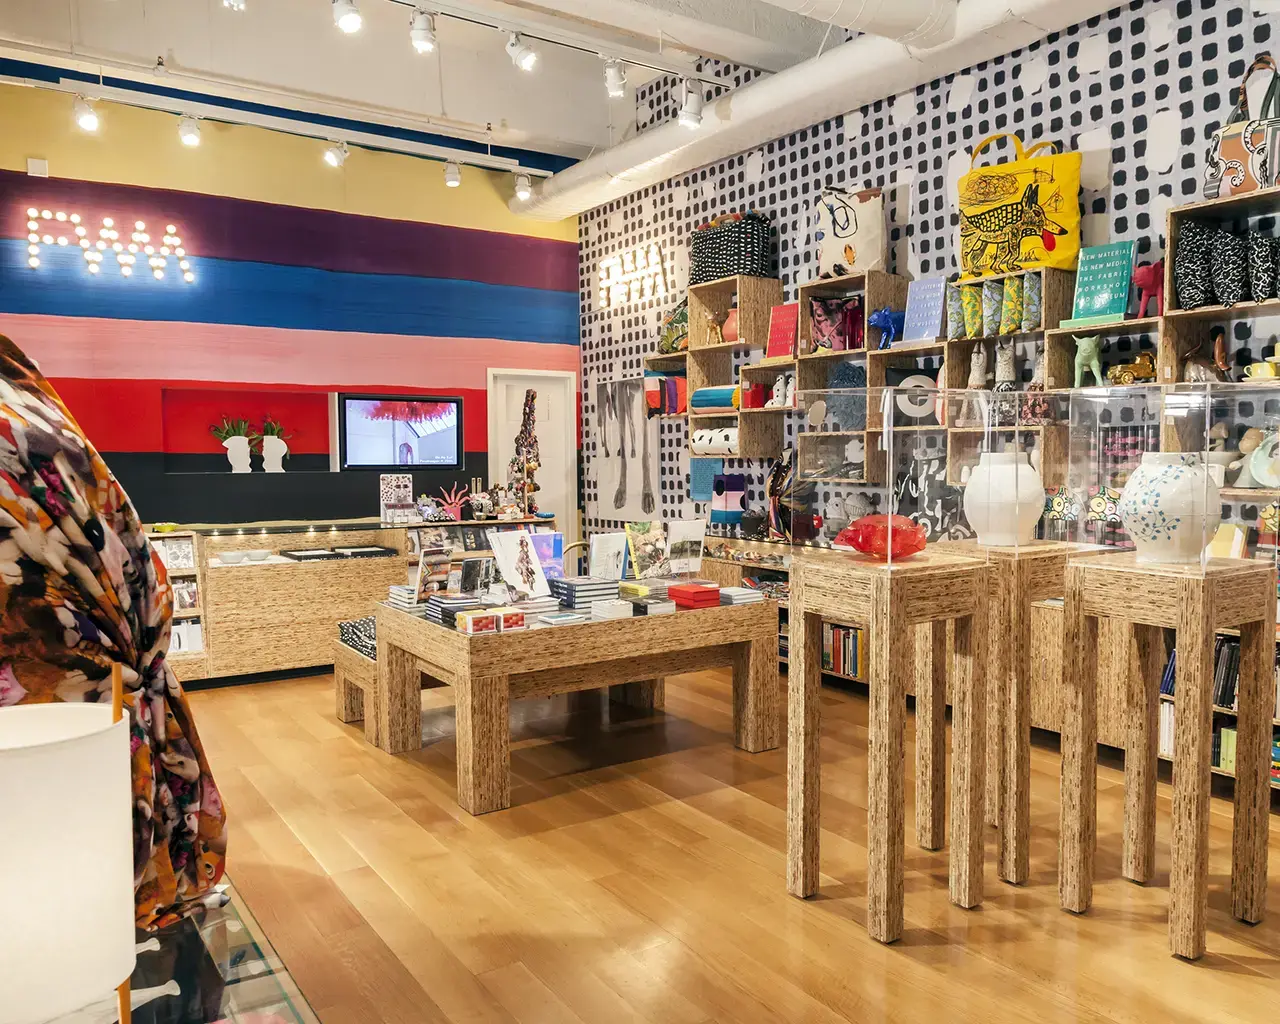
(1020, 214)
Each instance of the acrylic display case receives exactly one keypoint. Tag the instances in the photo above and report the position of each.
(884, 472)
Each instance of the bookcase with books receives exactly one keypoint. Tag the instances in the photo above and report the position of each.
(178, 550)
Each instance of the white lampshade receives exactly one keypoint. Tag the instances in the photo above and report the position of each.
(66, 859)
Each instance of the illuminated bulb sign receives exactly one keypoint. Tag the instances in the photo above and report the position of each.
(49, 228)
(633, 277)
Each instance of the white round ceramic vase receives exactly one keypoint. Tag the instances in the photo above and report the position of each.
(1004, 499)
(1171, 506)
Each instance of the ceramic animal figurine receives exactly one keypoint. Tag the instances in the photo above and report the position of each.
(1149, 280)
(1249, 443)
(715, 328)
(1035, 407)
(890, 323)
(1087, 350)
(974, 412)
(1141, 370)
(1200, 368)
(1218, 338)
(1006, 381)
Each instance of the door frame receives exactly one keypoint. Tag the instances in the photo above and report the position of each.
(497, 471)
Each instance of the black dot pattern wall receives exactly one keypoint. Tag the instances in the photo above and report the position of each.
(1138, 92)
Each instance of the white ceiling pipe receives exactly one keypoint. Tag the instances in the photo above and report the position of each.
(842, 79)
(921, 22)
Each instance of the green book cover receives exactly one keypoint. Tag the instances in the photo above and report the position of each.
(1103, 277)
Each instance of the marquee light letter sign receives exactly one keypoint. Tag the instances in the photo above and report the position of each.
(633, 277)
(47, 228)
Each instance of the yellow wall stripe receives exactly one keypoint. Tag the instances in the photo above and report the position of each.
(141, 147)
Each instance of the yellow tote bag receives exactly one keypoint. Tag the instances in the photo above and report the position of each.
(1021, 214)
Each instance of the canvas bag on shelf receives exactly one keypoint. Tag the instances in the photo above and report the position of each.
(1237, 157)
(849, 230)
(737, 243)
(1019, 214)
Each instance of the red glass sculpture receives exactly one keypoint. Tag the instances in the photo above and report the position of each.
(873, 535)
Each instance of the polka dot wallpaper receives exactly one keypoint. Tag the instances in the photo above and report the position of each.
(1138, 92)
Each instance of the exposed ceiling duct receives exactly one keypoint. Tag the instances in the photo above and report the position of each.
(922, 22)
(842, 79)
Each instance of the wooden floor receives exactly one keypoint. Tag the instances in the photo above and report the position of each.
(639, 876)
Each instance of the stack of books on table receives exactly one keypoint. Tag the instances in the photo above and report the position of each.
(612, 609)
(652, 605)
(631, 589)
(740, 595)
(695, 594)
(535, 606)
(444, 608)
(561, 618)
(406, 599)
(581, 592)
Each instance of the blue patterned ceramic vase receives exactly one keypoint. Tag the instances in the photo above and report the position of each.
(1171, 506)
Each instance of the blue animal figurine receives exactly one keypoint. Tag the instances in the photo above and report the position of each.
(889, 322)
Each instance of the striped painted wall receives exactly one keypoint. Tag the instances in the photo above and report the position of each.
(287, 303)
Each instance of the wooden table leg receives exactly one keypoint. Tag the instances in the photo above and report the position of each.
(1253, 765)
(968, 766)
(1144, 649)
(757, 695)
(931, 734)
(648, 694)
(1078, 821)
(348, 698)
(1011, 715)
(484, 742)
(892, 656)
(398, 700)
(804, 771)
(1003, 577)
(1192, 750)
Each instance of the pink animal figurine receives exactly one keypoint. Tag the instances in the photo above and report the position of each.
(1149, 279)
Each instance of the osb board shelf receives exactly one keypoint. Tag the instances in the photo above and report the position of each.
(877, 287)
(770, 409)
(1248, 204)
(666, 359)
(1215, 312)
(832, 353)
(1137, 325)
(909, 348)
(1250, 494)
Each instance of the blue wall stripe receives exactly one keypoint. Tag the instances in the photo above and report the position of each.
(275, 295)
(46, 73)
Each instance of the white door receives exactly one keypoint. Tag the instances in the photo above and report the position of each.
(555, 423)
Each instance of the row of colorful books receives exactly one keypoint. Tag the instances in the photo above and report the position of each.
(1224, 744)
(844, 651)
(1226, 674)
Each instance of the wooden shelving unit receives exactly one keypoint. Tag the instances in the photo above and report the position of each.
(188, 665)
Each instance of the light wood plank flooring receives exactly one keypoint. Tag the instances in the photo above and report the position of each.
(639, 876)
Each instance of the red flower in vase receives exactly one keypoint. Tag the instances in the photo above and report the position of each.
(883, 537)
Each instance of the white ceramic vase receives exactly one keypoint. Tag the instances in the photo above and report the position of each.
(1004, 499)
(1171, 506)
(274, 449)
(238, 453)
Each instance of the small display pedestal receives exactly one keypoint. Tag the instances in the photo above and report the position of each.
(933, 587)
(1198, 602)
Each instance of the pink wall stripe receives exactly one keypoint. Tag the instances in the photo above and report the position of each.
(166, 350)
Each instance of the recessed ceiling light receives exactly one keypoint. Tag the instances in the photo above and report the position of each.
(691, 110)
(452, 174)
(521, 53)
(615, 77)
(235, 5)
(336, 154)
(524, 188)
(346, 15)
(189, 131)
(86, 117)
(422, 31)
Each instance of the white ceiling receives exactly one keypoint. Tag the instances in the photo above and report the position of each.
(289, 53)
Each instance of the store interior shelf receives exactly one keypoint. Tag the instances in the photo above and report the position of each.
(1239, 311)
(1257, 494)
(829, 353)
(187, 613)
(1137, 325)
(666, 360)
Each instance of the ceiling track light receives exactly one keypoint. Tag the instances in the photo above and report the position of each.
(234, 5)
(691, 109)
(422, 30)
(346, 15)
(521, 53)
(615, 77)
(86, 117)
(524, 188)
(452, 174)
(336, 154)
(189, 131)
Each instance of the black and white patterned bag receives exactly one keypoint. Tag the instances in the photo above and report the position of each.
(1229, 263)
(735, 247)
(1262, 267)
(1191, 278)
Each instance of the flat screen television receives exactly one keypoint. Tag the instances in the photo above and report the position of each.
(399, 432)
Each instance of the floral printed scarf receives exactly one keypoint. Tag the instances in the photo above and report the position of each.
(80, 588)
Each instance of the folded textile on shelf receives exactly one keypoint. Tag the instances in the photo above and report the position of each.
(723, 398)
(714, 441)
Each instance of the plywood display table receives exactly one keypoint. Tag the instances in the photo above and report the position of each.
(1226, 593)
(1018, 577)
(630, 656)
(931, 587)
